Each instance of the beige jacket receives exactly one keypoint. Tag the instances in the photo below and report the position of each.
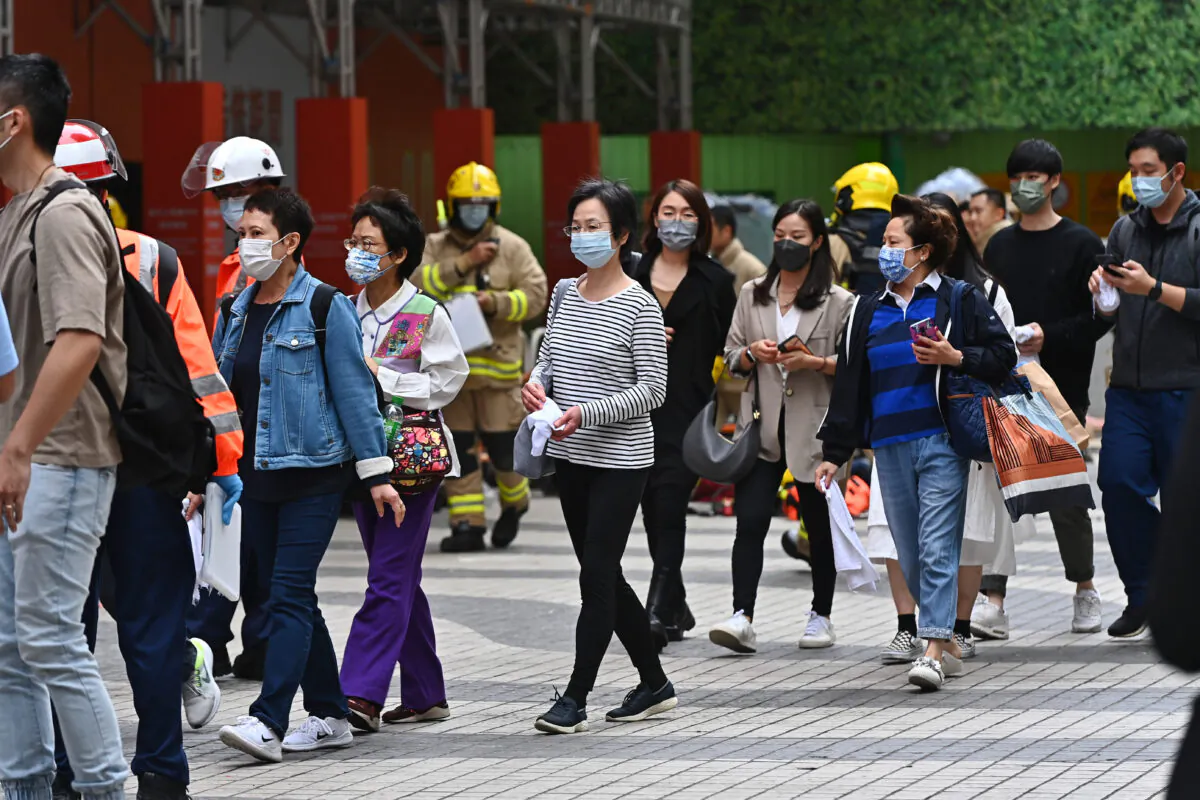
(744, 265)
(805, 396)
(516, 287)
(985, 235)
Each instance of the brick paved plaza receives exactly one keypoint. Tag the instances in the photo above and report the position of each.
(1047, 714)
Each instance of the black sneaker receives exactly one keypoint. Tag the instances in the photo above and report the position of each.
(507, 527)
(464, 538)
(157, 787)
(642, 703)
(250, 663)
(796, 545)
(61, 788)
(565, 716)
(1131, 623)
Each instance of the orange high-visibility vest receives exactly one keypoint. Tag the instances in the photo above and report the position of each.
(141, 260)
(230, 280)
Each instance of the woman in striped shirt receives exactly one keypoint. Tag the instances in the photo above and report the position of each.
(603, 363)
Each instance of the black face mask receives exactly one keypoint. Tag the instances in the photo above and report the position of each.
(791, 256)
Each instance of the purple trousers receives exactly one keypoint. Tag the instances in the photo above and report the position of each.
(394, 625)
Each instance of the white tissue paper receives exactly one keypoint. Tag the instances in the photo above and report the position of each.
(1022, 334)
(1108, 299)
(542, 425)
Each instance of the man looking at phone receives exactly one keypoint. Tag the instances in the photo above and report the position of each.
(1156, 361)
(1044, 263)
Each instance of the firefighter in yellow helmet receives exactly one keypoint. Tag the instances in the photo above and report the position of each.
(475, 255)
(862, 208)
(1126, 202)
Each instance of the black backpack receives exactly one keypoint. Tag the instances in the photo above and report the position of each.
(167, 443)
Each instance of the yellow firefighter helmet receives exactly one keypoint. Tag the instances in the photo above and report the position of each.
(1126, 202)
(869, 185)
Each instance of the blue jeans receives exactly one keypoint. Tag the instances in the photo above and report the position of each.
(300, 654)
(1141, 434)
(45, 573)
(924, 484)
(152, 575)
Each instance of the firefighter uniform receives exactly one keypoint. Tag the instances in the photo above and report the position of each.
(489, 408)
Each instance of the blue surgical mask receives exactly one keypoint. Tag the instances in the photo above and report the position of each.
(473, 216)
(891, 263)
(594, 249)
(677, 235)
(1149, 191)
(363, 267)
(231, 210)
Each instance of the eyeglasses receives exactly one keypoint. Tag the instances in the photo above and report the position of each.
(686, 216)
(591, 226)
(366, 244)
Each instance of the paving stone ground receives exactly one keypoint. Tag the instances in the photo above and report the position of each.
(1047, 714)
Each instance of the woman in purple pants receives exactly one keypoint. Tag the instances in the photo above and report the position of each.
(410, 346)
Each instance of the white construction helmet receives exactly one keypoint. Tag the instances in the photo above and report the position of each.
(238, 160)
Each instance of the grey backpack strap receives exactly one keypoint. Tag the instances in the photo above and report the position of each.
(560, 290)
(1122, 232)
(1193, 234)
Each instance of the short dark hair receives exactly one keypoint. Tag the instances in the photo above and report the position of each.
(690, 192)
(966, 264)
(927, 224)
(620, 204)
(38, 83)
(288, 210)
(994, 196)
(1035, 155)
(402, 230)
(821, 271)
(1170, 146)
(724, 216)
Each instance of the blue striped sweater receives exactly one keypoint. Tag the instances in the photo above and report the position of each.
(904, 400)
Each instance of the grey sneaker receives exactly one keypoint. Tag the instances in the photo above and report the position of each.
(1088, 617)
(904, 649)
(927, 674)
(966, 644)
(988, 620)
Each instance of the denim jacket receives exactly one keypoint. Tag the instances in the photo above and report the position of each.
(310, 414)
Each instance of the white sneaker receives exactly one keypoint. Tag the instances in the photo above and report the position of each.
(316, 734)
(1088, 612)
(201, 695)
(988, 620)
(736, 633)
(904, 649)
(254, 738)
(927, 674)
(818, 633)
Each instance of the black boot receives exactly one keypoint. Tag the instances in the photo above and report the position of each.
(506, 528)
(464, 538)
(222, 666)
(684, 621)
(657, 610)
(249, 665)
(61, 790)
(157, 787)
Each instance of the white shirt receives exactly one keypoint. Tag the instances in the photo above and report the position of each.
(933, 280)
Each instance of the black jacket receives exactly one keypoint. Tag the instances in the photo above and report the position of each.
(700, 311)
(988, 354)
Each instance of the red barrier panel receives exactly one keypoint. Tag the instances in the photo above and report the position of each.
(570, 153)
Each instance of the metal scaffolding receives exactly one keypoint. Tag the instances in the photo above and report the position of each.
(460, 27)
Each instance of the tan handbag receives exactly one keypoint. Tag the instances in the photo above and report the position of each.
(1040, 381)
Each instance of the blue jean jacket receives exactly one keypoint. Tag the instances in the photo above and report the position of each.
(310, 413)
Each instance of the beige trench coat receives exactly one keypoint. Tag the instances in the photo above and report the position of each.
(806, 393)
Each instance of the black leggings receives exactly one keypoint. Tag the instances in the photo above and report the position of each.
(664, 509)
(754, 503)
(599, 506)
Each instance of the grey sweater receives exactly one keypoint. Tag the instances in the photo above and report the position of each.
(1158, 349)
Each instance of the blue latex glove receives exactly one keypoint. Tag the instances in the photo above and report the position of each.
(231, 485)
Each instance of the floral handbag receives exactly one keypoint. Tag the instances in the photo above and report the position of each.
(419, 449)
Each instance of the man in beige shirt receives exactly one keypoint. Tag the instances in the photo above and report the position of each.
(59, 454)
(988, 214)
(730, 251)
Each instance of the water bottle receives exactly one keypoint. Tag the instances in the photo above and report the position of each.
(393, 417)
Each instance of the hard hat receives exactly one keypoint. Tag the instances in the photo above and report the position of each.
(869, 185)
(88, 152)
(120, 220)
(473, 182)
(1126, 202)
(239, 160)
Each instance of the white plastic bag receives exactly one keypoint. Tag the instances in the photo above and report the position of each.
(222, 565)
(849, 556)
(196, 535)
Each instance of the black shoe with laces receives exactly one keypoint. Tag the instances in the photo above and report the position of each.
(565, 716)
(61, 788)
(158, 787)
(643, 702)
(507, 527)
(1131, 623)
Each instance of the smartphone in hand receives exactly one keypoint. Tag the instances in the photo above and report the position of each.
(1111, 264)
(794, 344)
(925, 327)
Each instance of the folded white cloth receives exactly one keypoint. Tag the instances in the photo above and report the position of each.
(196, 534)
(1108, 298)
(541, 424)
(849, 556)
(1022, 334)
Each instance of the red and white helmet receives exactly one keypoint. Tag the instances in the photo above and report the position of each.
(88, 152)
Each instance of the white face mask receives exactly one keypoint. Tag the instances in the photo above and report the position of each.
(8, 138)
(231, 210)
(255, 255)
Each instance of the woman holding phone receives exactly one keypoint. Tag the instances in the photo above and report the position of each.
(888, 395)
(784, 336)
